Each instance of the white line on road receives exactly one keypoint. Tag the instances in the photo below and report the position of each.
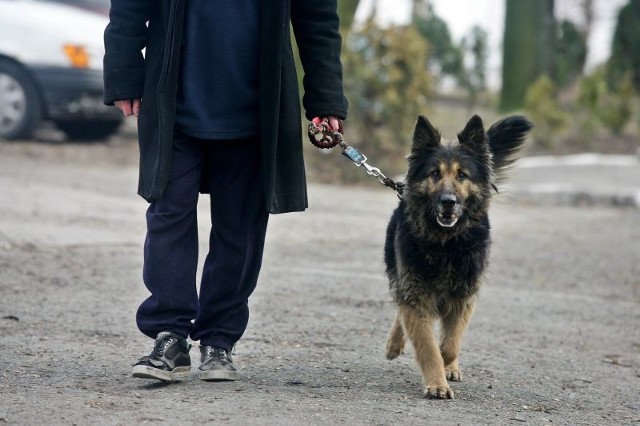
(586, 159)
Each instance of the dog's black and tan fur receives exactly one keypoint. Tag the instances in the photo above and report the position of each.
(438, 240)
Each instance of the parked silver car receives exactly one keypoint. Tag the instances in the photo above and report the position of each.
(100, 6)
(51, 69)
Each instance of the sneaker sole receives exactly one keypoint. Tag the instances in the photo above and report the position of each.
(145, 372)
(219, 376)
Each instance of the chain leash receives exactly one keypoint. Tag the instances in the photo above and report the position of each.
(324, 138)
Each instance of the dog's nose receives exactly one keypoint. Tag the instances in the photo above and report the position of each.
(448, 200)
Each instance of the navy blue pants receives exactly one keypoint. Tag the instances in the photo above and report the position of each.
(219, 314)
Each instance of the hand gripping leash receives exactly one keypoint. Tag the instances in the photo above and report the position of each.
(324, 138)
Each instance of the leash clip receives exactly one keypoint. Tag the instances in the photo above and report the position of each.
(354, 155)
(324, 138)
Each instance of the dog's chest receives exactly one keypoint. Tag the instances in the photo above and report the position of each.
(446, 269)
(453, 269)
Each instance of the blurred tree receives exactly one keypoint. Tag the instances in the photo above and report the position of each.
(571, 50)
(347, 11)
(602, 104)
(625, 55)
(388, 87)
(473, 78)
(616, 107)
(587, 16)
(445, 57)
(465, 62)
(479, 48)
(529, 48)
(542, 106)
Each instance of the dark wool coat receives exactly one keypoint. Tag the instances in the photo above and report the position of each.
(154, 78)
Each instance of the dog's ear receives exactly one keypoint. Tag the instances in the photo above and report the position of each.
(473, 134)
(425, 135)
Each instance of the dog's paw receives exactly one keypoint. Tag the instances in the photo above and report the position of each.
(393, 350)
(454, 375)
(393, 353)
(438, 392)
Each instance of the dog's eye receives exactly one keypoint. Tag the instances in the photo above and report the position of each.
(462, 175)
(435, 174)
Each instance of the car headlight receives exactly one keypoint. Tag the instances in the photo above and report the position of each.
(78, 55)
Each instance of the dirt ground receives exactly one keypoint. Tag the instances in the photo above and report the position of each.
(555, 337)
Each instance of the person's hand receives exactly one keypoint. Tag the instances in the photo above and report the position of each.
(129, 106)
(333, 123)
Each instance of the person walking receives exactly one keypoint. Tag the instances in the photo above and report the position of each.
(214, 88)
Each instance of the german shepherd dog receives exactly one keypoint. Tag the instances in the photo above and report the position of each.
(438, 240)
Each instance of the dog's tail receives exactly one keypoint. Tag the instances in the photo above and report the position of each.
(506, 138)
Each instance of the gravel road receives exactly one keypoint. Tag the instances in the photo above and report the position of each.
(555, 337)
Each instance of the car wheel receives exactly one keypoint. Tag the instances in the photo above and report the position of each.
(89, 130)
(20, 104)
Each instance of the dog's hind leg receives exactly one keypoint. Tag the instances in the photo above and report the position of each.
(454, 323)
(418, 324)
(396, 341)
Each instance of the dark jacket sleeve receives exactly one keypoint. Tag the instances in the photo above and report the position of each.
(124, 38)
(316, 28)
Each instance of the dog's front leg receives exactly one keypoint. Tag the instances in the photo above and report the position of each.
(454, 324)
(395, 341)
(418, 325)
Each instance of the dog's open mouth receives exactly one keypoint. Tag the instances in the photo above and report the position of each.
(447, 219)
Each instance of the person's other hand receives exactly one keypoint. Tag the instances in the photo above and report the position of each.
(333, 123)
(129, 106)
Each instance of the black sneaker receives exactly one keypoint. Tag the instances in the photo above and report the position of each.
(216, 364)
(168, 361)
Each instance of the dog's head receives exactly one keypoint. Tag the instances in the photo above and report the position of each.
(448, 182)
